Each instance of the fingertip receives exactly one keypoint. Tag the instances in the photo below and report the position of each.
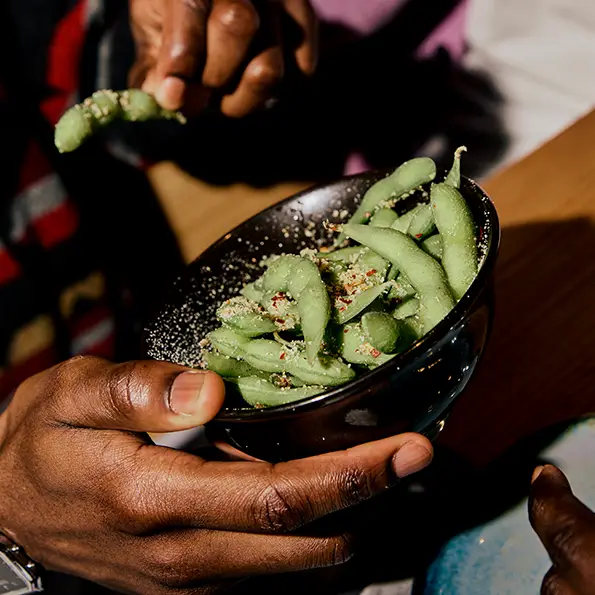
(150, 83)
(170, 93)
(412, 457)
(536, 473)
(554, 474)
(212, 397)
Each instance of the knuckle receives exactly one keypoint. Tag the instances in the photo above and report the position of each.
(357, 485)
(124, 389)
(277, 509)
(130, 511)
(551, 584)
(568, 543)
(264, 73)
(168, 565)
(239, 19)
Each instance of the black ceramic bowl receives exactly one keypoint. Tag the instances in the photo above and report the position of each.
(413, 392)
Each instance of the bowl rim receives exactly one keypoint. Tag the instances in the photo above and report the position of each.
(404, 359)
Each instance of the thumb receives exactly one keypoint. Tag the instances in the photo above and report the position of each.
(139, 396)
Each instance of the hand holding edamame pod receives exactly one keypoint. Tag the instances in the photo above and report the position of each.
(84, 119)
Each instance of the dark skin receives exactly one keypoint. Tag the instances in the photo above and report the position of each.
(566, 527)
(86, 492)
(188, 49)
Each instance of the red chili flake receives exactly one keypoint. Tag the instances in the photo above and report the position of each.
(418, 235)
(370, 272)
(480, 234)
(341, 309)
(375, 353)
(279, 320)
(282, 356)
(345, 300)
(345, 330)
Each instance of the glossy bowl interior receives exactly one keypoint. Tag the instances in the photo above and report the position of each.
(412, 392)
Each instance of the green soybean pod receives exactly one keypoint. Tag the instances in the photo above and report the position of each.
(253, 292)
(229, 367)
(348, 254)
(261, 393)
(276, 277)
(333, 270)
(457, 229)
(454, 175)
(360, 302)
(301, 278)
(407, 177)
(228, 342)
(326, 371)
(422, 223)
(401, 289)
(381, 330)
(422, 271)
(242, 316)
(406, 309)
(355, 348)
(433, 246)
(73, 128)
(404, 221)
(373, 266)
(82, 120)
(266, 355)
(383, 218)
(313, 303)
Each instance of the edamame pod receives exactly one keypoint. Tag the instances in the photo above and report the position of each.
(244, 317)
(273, 357)
(404, 221)
(383, 218)
(457, 230)
(229, 367)
(228, 342)
(81, 121)
(433, 246)
(301, 278)
(356, 304)
(401, 289)
(356, 349)
(407, 177)
(406, 309)
(422, 223)
(348, 254)
(454, 175)
(253, 292)
(381, 330)
(373, 266)
(422, 271)
(260, 393)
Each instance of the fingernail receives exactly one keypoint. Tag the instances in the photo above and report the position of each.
(170, 93)
(184, 395)
(536, 473)
(410, 459)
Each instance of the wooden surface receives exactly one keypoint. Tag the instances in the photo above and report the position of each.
(540, 365)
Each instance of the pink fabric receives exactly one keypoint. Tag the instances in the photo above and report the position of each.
(365, 16)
